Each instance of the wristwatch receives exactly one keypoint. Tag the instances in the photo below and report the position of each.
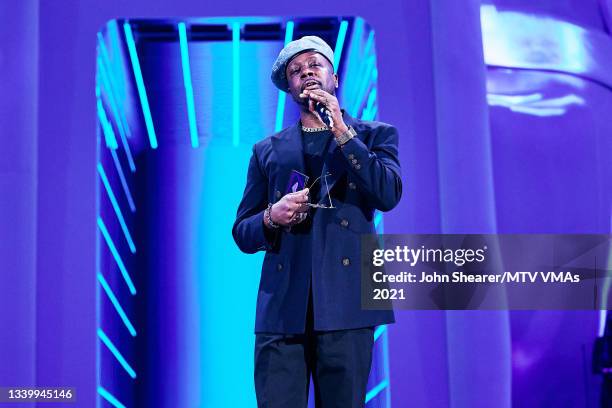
(346, 136)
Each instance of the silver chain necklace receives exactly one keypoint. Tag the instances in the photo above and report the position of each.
(317, 129)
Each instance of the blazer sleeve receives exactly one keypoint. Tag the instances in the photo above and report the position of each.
(377, 170)
(249, 231)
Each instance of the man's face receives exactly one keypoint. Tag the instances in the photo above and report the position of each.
(310, 70)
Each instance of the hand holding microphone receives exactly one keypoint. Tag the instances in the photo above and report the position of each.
(324, 114)
(326, 106)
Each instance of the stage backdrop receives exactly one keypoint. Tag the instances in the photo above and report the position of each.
(180, 105)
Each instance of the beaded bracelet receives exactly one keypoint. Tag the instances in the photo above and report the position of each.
(268, 217)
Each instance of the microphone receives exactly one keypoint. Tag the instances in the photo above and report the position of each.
(320, 108)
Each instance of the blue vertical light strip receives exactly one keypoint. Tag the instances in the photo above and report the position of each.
(605, 293)
(107, 129)
(142, 93)
(98, 244)
(282, 96)
(353, 64)
(603, 314)
(122, 79)
(340, 44)
(381, 226)
(364, 85)
(369, 43)
(377, 219)
(114, 109)
(111, 296)
(113, 84)
(372, 113)
(381, 334)
(386, 366)
(236, 83)
(113, 249)
(98, 320)
(367, 69)
(111, 347)
(113, 200)
(109, 91)
(379, 331)
(376, 390)
(126, 189)
(374, 108)
(369, 111)
(110, 398)
(193, 129)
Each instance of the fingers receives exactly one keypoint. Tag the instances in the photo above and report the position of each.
(320, 96)
(301, 217)
(312, 93)
(291, 208)
(302, 208)
(311, 103)
(289, 217)
(298, 217)
(311, 107)
(297, 208)
(298, 197)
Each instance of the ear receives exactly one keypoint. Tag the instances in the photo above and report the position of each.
(336, 80)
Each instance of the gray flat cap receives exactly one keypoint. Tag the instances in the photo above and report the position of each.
(307, 43)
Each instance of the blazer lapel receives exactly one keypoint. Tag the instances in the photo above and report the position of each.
(334, 164)
(290, 153)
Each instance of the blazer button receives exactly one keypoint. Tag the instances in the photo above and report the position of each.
(278, 194)
(358, 166)
(346, 262)
(352, 185)
(279, 267)
(344, 223)
(354, 161)
(351, 156)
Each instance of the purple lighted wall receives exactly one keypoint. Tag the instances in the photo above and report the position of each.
(18, 212)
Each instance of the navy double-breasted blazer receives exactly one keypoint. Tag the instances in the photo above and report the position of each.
(365, 175)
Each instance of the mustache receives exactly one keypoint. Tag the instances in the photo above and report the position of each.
(309, 80)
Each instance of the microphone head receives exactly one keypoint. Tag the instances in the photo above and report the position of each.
(320, 108)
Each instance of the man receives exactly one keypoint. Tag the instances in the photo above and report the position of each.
(309, 319)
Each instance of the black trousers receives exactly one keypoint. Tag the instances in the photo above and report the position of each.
(339, 362)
